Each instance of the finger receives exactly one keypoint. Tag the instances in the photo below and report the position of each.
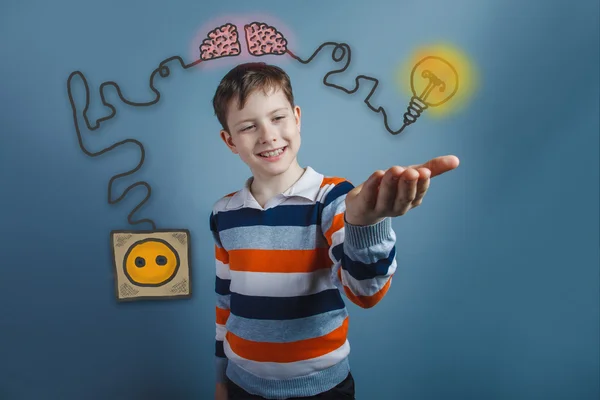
(439, 165)
(407, 189)
(388, 190)
(424, 173)
(422, 186)
(369, 189)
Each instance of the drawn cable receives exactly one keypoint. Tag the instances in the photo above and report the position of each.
(344, 47)
(164, 71)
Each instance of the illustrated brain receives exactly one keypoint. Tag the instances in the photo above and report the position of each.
(263, 39)
(222, 41)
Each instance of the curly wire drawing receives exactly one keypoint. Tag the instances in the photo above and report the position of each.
(345, 49)
(163, 71)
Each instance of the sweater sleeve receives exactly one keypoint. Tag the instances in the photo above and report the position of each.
(222, 282)
(364, 257)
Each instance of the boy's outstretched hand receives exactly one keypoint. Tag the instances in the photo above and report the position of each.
(393, 192)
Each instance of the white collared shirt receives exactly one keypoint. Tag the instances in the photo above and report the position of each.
(307, 187)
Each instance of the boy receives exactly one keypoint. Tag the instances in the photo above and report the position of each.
(290, 242)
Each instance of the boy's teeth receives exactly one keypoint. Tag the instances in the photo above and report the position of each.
(272, 153)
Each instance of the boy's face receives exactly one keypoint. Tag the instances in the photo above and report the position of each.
(265, 133)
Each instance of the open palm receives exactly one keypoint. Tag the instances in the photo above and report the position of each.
(394, 192)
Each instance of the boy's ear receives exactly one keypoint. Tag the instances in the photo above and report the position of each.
(297, 115)
(226, 137)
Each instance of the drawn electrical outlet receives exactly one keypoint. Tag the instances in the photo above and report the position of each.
(151, 264)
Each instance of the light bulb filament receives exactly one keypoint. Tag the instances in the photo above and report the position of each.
(434, 81)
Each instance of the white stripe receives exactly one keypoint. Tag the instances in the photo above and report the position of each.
(220, 332)
(336, 207)
(285, 284)
(296, 201)
(374, 253)
(338, 236)
(367, 287)
(222, 270)
(272, 370)
(324, 191)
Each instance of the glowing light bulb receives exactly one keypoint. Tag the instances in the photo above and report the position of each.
(433, 82)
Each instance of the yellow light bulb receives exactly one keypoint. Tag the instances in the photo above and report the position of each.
(433, 81)
(439, 81)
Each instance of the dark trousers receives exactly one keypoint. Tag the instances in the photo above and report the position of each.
(344, 390)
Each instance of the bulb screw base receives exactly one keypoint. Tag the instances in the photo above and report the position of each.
(414, 110)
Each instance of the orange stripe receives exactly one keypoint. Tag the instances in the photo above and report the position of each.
(230, 194)
(253, 260)
(289, 352)
(221, 255)
(222, 315)
(366, 301)
(331, 180)
(336, 225)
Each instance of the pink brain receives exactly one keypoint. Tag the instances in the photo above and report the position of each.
(263, 39)
(221, 42)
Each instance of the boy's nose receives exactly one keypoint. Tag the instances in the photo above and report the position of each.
(268, 134)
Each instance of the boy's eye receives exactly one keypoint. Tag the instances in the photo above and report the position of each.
(280, 117)
(247, 128)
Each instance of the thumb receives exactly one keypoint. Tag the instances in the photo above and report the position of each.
(355, 191)
(368, 188)
(352, 195)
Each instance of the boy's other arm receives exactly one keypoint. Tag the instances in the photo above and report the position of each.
(222, 282)
(364, 256)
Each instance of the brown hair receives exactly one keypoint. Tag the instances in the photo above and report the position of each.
(245, 78)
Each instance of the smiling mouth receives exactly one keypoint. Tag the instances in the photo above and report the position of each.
(272, 153)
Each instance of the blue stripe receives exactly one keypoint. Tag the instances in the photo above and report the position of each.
(282, 308)
(340, 189)
(219, 351)
(361, 271)
(338, 251)
(285, 331)
(222, 286)
(294, 215)
(212, 222)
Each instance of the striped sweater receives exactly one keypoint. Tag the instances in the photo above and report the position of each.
(281, 322)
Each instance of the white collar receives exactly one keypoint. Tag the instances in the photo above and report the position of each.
(307, 187)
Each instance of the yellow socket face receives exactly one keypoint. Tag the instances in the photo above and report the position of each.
(151, 262)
